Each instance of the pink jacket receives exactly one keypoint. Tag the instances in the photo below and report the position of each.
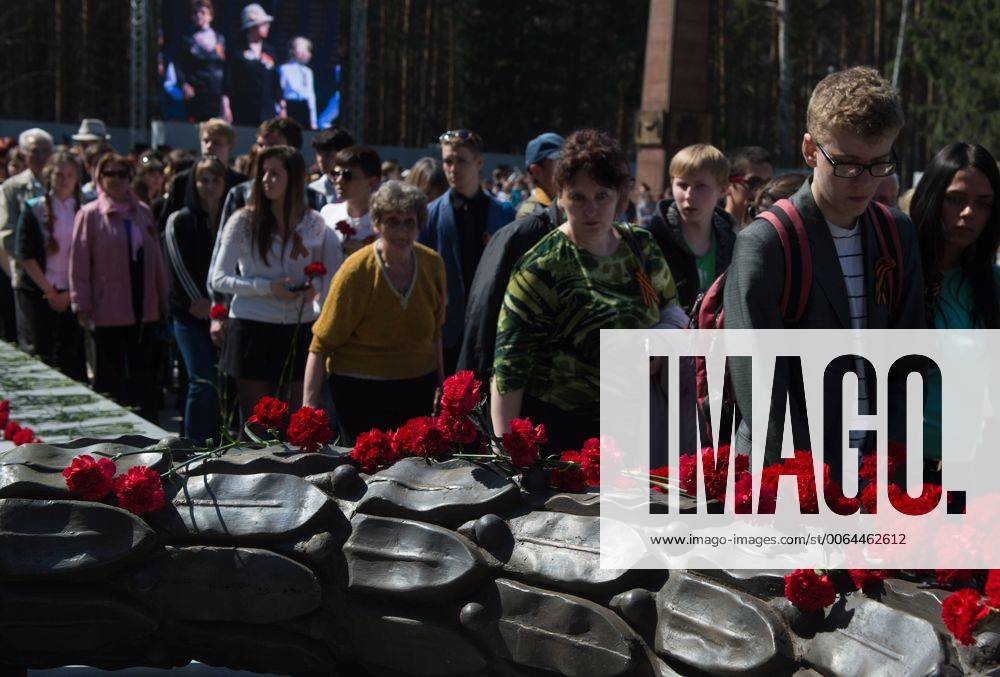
(98, 267)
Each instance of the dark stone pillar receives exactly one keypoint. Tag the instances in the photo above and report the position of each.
(675, 86)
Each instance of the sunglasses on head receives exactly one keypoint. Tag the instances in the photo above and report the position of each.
(465, 135)
(115, 173)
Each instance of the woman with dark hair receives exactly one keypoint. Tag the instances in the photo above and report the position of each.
(588, 274)
(188, 238)
(118, 287)
(46, 326)
(958, 226)
(200, 64)
(263, 254)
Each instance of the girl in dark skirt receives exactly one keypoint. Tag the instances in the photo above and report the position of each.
(262, 262)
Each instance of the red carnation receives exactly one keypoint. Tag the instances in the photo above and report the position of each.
(660, 474)
(346, 229)
(808, 590)
(421, 437)
(269, 412)
(218, 312)
(930, 496)
(961, 611)
(373, 449)
(460, 393)
(315, 269)
(992, 588)
(458, 429)
(91, 479)
(4, 405)
(4, 419)
(309, 429)
(23, 436)
(743, 488)
(139, 490)
(10, 430)
(569, 477)
(521, 443)
(590, 459)
(866, 577)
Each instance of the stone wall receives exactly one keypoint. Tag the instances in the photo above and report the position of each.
(278, 561)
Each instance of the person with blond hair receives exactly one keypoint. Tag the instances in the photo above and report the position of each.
(694, 233)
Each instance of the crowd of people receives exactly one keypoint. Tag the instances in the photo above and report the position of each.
(357, 286)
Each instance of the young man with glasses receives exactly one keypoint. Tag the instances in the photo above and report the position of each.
(357, 171)
(750, 169)
(853, 119)
(459, 225)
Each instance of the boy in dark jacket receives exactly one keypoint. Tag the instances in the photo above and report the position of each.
(694, 233)
(852, 121)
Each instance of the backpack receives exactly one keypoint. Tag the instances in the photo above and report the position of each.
(708, 312)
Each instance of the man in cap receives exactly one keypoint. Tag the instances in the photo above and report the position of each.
(37, 146)
(540, 159)
(252, 87)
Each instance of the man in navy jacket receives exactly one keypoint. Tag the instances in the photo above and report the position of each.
(459, 225)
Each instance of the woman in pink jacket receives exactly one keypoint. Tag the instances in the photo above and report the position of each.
(118, 288)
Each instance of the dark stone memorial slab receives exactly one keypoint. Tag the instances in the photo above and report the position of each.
(122, 441)
(403, 641)
(717, 629)
(760, 582)
(409, 559)
(558, 550)
(275, 459)
(550, 631)
(247, 647)
(588, 504)
(244, 508)
(35, 470)
(49, 539)
(240, 585)
(865, 637)
(447, 493)
(920, 599)
(43, 627)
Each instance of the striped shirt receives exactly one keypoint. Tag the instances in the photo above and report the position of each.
(851, 254)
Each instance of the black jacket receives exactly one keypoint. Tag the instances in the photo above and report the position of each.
(178, 192)
(665, 225)
(187, 241)
(489, 285)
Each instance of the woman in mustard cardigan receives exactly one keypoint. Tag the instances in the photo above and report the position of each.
(379, 335)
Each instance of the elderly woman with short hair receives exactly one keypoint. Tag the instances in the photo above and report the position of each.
(379, 335)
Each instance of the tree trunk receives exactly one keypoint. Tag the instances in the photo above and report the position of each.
(784, 85)
(404, 94)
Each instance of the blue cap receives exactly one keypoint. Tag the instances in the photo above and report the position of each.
(542, 147)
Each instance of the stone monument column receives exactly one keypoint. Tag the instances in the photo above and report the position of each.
(675, 86)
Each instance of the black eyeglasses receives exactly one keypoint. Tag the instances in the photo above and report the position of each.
(465, 135)
(852, 170)
(345, 174)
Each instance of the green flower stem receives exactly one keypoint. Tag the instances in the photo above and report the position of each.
(251, 435)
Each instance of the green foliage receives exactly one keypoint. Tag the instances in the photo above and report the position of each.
(956, 50)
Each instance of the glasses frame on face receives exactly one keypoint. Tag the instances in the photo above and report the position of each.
(466, 136)
(852, 170)
(346, 174)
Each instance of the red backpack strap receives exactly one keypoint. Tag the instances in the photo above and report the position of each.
(889, 268)
(787, 222)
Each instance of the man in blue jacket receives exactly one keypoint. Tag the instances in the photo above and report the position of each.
(459, 224)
